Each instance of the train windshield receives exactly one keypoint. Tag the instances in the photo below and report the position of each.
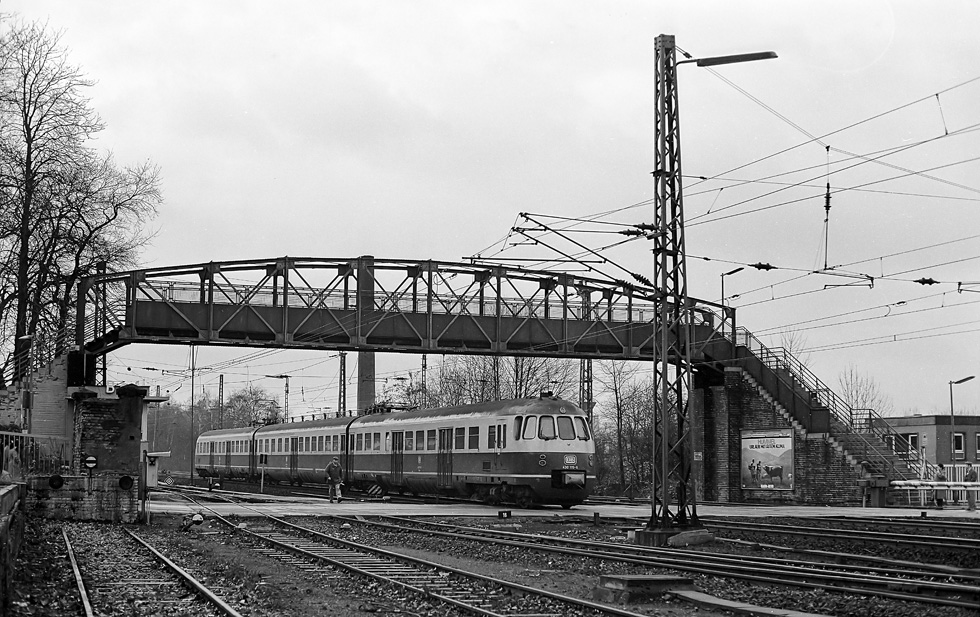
(545, 427)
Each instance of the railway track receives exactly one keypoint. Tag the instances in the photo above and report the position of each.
(470, 592)
(910, 582)
(969, 545)
(153, 586)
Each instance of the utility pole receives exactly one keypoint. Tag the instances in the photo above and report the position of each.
(673, 440)
(221, 401)
(342, 403)
(425, 393)
(585, 388)
(285, 401)
(193, 440)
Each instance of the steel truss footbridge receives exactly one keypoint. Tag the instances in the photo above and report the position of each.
(379, 305)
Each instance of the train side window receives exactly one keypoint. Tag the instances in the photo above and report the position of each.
(430, 440)
(530, 427)
(409, 440)
(377, 442)
(474, 438)
(566, 430)
(517, 427)
(279, 445)
(546, 430)
(336, 443)
(491, 438)
(420, 440)
(581, 428)
(460, 443)
(501, 436)
(320, 443)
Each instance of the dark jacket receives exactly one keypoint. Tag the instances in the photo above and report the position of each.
(335, 473)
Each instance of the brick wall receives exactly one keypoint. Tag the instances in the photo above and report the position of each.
(110, 429)
(51, 412)
(99, 498)
(822, 474)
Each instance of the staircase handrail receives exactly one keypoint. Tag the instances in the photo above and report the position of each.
(870, 421)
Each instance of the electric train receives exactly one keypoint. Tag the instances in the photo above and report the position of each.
(525, 451)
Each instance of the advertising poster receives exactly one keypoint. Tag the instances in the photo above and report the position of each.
(767, 459)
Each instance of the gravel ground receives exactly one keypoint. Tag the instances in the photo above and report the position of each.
(256, 585)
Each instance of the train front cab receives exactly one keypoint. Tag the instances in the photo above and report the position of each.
(554, 452)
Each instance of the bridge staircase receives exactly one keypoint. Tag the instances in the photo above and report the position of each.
(867, 441)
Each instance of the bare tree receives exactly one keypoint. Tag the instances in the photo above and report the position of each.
(65, 209)
(460, 380)
(251, 405)
(862, 392)
(795, 342)
(616, 377)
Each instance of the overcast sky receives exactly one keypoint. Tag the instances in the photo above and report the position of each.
(419, 130)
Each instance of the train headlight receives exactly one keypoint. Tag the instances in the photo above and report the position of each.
(568, 478)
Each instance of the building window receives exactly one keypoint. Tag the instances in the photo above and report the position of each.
(959, 445)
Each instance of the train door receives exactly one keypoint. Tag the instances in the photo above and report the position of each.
(211, 457)
(397, 458)
(444, 460)
(293, 457)
(227, 459)
(498, 435)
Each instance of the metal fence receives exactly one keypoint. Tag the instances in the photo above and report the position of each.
(26, 455)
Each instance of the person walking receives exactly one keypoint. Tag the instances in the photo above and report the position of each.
(971, 492)
(335, 478)
(940, 493)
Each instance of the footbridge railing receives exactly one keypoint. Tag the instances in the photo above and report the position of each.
(367, 303)
(880, 443)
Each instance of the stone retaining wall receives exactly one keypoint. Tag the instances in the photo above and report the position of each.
(11, 536)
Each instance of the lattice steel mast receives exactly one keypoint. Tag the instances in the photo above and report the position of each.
(672, 438)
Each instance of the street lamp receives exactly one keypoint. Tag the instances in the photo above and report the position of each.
(724, 308)
(952, 419)
(673, 448)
